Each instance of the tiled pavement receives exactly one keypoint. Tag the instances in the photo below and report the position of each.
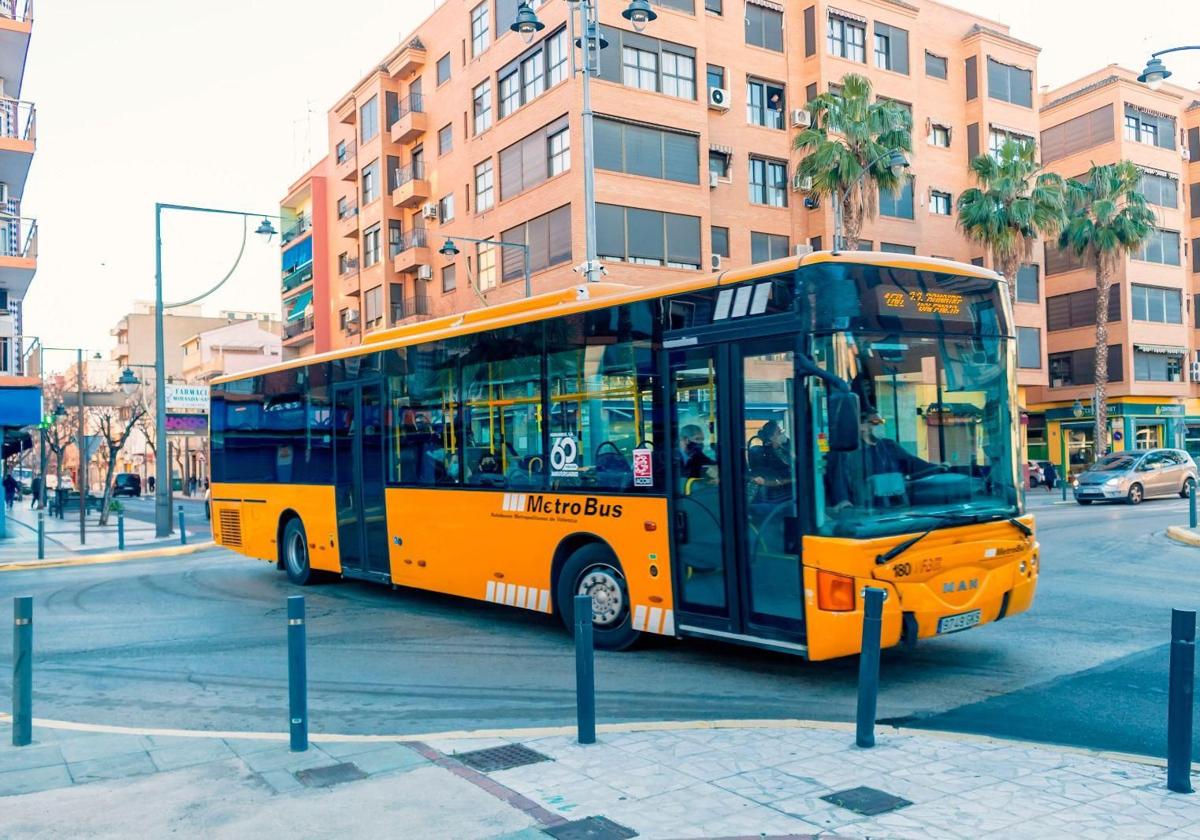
(660, 783)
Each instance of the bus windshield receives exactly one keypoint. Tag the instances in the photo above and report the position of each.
(936, 433)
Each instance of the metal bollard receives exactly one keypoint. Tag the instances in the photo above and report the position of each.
(1180, 700)
(297, 674)
(182, 530)
(41, 535)
(868, 666)
(1192, 505)
(22, 700)
(121, 530)
(585, 671)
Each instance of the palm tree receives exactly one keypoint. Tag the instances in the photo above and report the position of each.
(1107, 219)
(1013, 207)
(849, 149)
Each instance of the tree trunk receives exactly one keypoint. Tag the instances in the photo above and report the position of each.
(851, 220)
(106, 497)
(1008, 265)
(1103, 284)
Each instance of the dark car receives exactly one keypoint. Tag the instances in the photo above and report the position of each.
(127, 484)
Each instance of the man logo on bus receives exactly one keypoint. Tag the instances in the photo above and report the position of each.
(962, 586)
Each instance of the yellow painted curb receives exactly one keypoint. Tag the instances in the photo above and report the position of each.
(111, 557)
(1183, 535)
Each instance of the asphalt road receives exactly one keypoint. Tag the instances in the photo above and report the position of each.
(199, 642)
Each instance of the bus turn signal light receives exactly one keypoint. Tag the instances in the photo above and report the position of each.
(835, 592)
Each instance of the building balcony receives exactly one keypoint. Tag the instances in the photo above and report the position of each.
(411, 188)
(406, 60)
(295, 230)
(409, 122)
(298, 332)
(18, 129)
(415, 308)
(347, 222)
(16, 24)
(344, 162)
(120, 352)
(411, 251)
(18, 254)
(348, 282)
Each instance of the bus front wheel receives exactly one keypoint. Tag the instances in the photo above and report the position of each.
(295, 553)
(593, 570)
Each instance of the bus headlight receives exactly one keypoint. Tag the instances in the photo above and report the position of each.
(835, 592)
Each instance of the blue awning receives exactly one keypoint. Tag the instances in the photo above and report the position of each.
(299, 304)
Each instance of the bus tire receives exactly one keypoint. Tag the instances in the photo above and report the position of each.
(294, 549)
(593, 568)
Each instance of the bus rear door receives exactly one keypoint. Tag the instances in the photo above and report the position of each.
(359, 480)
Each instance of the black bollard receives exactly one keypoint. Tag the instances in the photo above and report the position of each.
(182, 530)
(297, 674)
(585, 671)
(868, 666)
(1192, 504)
(1180, 700)
(121, 530)
(41, 535)
(22, 701)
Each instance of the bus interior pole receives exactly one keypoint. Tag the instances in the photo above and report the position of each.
(82, 471)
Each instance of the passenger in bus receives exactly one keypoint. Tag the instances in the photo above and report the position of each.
(691, 460)
(875, 474)
(770, 464)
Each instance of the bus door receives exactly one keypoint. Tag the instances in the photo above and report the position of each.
(359, 479)
(735, 503)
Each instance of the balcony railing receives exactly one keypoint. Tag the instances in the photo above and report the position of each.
(350, 266)
(298, 276)
(410, 307)
(344, 153)
(21, 10)
(18, 237)
(298, 327)
(415, 171)
(347, 211)
(406, 105)
(298, 228)
(415, 238)
(18, 120)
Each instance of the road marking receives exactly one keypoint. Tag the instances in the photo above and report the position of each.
(113, 557)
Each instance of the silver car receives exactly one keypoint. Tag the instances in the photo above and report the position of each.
(1133, 476)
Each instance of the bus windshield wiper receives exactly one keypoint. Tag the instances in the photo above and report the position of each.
(960, 517)
(1020, 526)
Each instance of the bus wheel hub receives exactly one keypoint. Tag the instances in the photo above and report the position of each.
(604, 589)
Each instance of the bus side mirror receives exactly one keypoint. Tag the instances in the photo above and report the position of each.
(843, 421)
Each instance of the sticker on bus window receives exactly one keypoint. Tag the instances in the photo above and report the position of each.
(564, 455)
(643, 468)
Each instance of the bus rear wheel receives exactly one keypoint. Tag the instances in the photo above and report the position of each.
(294, 546)
(594, 570)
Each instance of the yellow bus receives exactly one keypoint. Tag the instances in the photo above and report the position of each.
(732, 457)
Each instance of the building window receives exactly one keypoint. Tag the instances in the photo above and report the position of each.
(396, 299)
(558, 147)
(896, 248)
(1028, 284)
(883, 52)
(368, 116)
(485, 259)
(898, 205)
(1153, 303)
(1029, 347)
(445, 139)
(1157, 367)
(891, 48)
(480, 34)
(1010, 84)
(764, 27)
(997, 137)
(939, 203)
(346, 263)
(939, 135)
(526, 163)
(765, 103)
(373, 307)
(533, 76)
(678, 75)
(1078, 367)
(768, 182)
(443, 69)
(1161, 247)
(446, 208)
(718, 164)
(485, 190)
(1161, 191)
(345, 209)
(449, 278)
(716, 77)
(1078, 309)
(1151, 129)
(482, 96)
(370, 182)
(342, 151)
(720, 241)
(395, 237)
(510, 93)
(767, 246)
(556, 58)
(713, 6)
(935, 65)
(847, 38)
(639, 68)
(647, 237)
(647, 150)
(371, 243)
(548, 238)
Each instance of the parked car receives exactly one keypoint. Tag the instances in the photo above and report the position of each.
(1136, 475)
(68, 483)
(127, 484)
(1036, 476)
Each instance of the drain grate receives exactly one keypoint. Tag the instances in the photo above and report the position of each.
(500, 758)
(334, 774)
(590, 828)
(866, 801)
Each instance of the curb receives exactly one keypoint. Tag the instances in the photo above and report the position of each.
(1183, 535)
(110, 557)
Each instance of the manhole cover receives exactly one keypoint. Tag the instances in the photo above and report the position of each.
(334, 774)
(500, 758)
(590, 828)
(866, 801)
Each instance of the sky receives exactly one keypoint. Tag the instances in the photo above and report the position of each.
(223, 104)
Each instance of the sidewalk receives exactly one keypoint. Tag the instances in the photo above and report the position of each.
(720, 780)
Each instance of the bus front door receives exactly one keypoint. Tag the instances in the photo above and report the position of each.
(736, 530)
(359, 480)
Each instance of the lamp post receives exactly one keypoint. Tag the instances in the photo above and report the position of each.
(162, 466)
(591, 42)
(896, 161)
(1156, 72)
(449, 250)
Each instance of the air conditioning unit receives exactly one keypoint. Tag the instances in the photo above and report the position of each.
(801, 184)
(714, 262)
(424, 272)
(1195, 372)
(712, 180)
(1184, 153)
(429, 210)
(351, 316)
(801, 118)
(800, 249)
(718, 99)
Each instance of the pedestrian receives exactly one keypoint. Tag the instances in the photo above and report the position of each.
(150, 483)
(10, 490)
(35, 488)
(1049, 476)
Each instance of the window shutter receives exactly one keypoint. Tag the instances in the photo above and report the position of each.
(1194, 200)
(645, 233)
(1196, 255)
(810, 93)
(1114, 305)
(1083, 308)
(810, 30)
(610, 59)
(510, 171)
(683, 239)
(610, 230)
(681, 154)
(899, 49)
(972, 142)
(1193, 137)
(1116, 372)
(533, 159)
(1020, 86)
(511, 259)
(997, 80)
(608, 144)
(643, 151)
(537, 233)
(754, 25)
(1058, 312)
(1166, 132)
(558, 235)
(972, 77)
(759, 247)
(772, 30)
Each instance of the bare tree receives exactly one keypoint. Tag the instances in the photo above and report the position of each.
(59, 434)
(114, 426)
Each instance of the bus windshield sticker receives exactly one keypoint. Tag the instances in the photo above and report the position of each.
(762, 296)
(643, 468)
(724, 299)
(742, 302)
(564, 455)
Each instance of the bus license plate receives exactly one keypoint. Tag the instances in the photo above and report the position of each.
(954, 623)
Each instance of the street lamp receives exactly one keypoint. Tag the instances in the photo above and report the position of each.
(449, 250)
(128, 382)
(1156, 72)
(162, 464)
(591, 41)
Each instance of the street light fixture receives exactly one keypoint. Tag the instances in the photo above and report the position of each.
(265, 228)
(60, 411)
(1156, 72)
(128, 382)
(639, 14)
(527, 23)
(449, 250)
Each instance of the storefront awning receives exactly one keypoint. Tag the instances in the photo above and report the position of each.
(1162, 349)
(299, 304)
